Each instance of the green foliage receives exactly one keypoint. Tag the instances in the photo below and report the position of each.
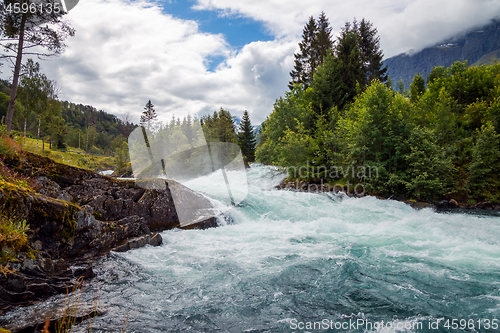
(219, 127)
(348, 69)
(288, 112)
(328, 89)
(428, 172)
(371, 54)
(484, 169)
(122, 160)
(296, 148)
(417, 88)
(434, 142)
(349, 56)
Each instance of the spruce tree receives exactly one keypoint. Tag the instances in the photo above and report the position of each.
(323, 43)
(148, 117)
(371, 54)
(316, 44)
(246, 138)
(350, 66)
(305, 60)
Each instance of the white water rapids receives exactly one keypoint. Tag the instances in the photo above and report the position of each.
(286, 259)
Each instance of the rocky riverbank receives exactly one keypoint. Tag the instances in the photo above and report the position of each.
(75, 216)
(443, 205)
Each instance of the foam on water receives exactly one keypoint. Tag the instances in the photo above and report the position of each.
(307, 257)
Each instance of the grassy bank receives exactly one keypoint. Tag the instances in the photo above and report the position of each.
(76, 157)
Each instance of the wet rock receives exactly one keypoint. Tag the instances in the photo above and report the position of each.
(419, 205)
(13, 282)
(21, 297)
(33, 321)
(83, 272)
(41, 289)
(487, 206)
(138, 242)
(4, 295)
(156, 240)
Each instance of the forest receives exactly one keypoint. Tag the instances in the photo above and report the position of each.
(438, 139)
(61, 124)
(67, 126)
(191, 147)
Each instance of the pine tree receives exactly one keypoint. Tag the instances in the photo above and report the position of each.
(328, 89)
(349, 57)
(246, 138)
(323, 43)
(371, 54)
(357, 61)
(316, 44)
(305, 61)
(148, 117)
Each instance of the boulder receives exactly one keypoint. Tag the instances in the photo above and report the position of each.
(138, 242)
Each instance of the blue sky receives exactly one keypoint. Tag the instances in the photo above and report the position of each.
(237, 29)
(193, 57)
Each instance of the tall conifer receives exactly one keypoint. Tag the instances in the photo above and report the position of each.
(246, 138)
(305, 60)
(148, 116)
(371, 54)
(315, 45)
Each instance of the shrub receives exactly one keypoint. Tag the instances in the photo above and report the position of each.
(10, 176)
(8, 145)
(13, 237)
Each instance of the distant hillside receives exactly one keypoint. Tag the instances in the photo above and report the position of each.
(471, 47)
(106, 131)
(488, 59)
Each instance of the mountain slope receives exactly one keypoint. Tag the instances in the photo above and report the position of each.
(488, 59)
(471, 47)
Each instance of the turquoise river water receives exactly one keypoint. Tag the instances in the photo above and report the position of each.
(298, 262)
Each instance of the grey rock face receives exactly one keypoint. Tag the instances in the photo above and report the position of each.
(471, 47)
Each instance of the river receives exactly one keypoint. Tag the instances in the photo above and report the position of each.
(298, 262)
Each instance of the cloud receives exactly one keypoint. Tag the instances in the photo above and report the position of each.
(127, 52)
(402, 25)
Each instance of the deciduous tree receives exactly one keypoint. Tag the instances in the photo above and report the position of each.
(28, 32)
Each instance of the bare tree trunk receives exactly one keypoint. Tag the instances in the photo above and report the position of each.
(38, 135)
(15, 80)
(87, 142)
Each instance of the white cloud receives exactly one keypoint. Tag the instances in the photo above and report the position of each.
(127, 52)
(402, 24)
